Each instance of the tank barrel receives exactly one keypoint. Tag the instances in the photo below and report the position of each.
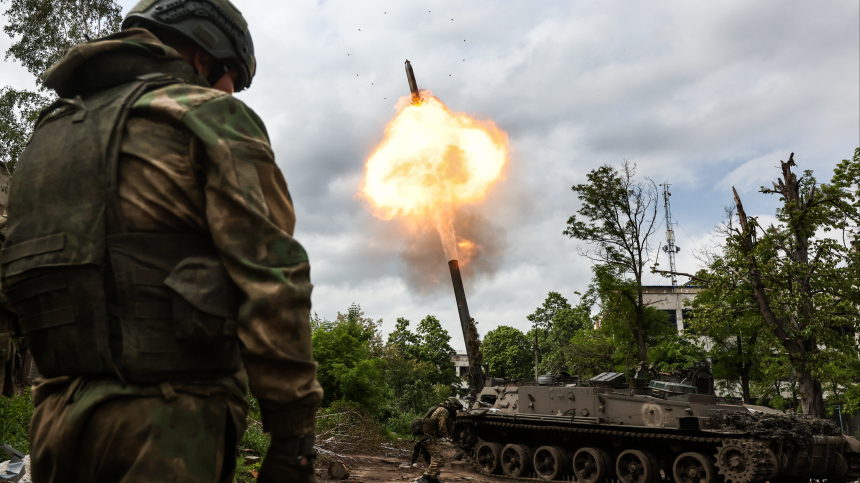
(476, 376)
(413, 86)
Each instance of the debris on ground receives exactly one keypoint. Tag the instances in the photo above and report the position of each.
(794, 431)
(17, 469)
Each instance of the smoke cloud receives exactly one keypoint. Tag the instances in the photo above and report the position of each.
(424, 256)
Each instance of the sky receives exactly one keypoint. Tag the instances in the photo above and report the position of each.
(703, 95)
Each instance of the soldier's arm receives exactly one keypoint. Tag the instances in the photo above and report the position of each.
(442, 419)
(251, 217)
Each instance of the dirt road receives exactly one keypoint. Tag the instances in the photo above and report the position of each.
(388, 469)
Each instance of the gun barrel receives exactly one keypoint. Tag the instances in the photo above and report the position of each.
(413, 86)
(476, 376)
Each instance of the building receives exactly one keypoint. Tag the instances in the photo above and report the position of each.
(670, 300)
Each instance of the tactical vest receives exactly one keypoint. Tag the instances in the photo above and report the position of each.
(92, 298)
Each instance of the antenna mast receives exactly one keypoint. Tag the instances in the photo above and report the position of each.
(670, 247)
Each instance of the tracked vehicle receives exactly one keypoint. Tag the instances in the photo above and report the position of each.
(648, 429)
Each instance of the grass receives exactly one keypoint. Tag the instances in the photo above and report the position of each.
(15, 417)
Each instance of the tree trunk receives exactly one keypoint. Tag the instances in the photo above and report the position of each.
(745, 383)
(745, 373)
(640, 321)
(811, 394)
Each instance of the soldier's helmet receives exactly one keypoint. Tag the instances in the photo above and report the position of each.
(215, 25)
(452, 401)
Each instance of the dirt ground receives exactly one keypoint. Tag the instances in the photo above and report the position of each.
(388, 469)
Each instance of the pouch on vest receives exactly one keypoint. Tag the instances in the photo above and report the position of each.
(176, 307)
(93, 299)
(204, 303)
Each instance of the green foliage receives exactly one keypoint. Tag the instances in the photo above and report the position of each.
(43, 30)
(617, 218)
(798, 284)
(18, 113)
(430, 345)
(254, 438)
(675, 351)
(592, 351)
(350, 366)
(508, 352)
(619, 316)
(15, 417)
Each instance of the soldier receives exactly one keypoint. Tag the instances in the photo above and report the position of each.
(437, 423)
(7, 332)
(151, 263)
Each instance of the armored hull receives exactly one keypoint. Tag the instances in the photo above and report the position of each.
(664, 431)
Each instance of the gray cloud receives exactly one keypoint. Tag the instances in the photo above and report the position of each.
(704, 94)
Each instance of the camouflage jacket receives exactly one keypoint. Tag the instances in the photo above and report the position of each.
(196, 160)
(441, 416)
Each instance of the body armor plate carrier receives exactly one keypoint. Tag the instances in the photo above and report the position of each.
(92, 298)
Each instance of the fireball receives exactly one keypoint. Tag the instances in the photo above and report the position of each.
(432, 161)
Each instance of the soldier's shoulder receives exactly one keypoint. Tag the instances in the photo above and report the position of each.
(177, 100)
(211, 114)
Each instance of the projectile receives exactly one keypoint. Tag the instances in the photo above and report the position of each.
(413, 86)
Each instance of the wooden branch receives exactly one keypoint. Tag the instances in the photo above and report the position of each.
(693, 277)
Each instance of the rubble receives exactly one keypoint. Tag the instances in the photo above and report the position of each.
(795, 431)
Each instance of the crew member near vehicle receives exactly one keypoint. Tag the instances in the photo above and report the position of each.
(150, 261)
(436, 424)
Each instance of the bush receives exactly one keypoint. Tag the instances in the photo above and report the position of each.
(15, 417)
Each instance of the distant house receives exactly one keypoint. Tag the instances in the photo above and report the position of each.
(461, 365)
(670, 300)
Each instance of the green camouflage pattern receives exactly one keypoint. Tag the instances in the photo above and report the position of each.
(101, 431)
(245, 203)
(441, 422)
(437, 460)
(197, 160)
(438, 423)
(193, 160)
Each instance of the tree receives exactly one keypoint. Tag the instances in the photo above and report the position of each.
(553, 325)
(591, 352)
(42, 32)
(566, 323)
(403, 341)
(350, 364)
(617, 218)
(18, 113)
(620, 318)
(430, 345)
(725, 312)
(508, 352)
(799, 282)
(435, 349)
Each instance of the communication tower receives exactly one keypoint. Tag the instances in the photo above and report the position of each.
(670, 246)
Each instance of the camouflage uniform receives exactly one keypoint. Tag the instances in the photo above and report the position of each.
(7, 331)
(431, 443)
(192, 160)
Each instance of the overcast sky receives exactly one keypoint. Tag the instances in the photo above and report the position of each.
(704, 95)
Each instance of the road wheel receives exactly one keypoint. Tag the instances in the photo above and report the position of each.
(591, 465)
(487, 456)
(634, 466)
(516, 460)
(550, 462)
(694, 468)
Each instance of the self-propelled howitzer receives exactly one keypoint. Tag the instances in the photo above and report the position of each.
(654, 427)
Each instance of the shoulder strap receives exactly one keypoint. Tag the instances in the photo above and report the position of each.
(143, 84)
